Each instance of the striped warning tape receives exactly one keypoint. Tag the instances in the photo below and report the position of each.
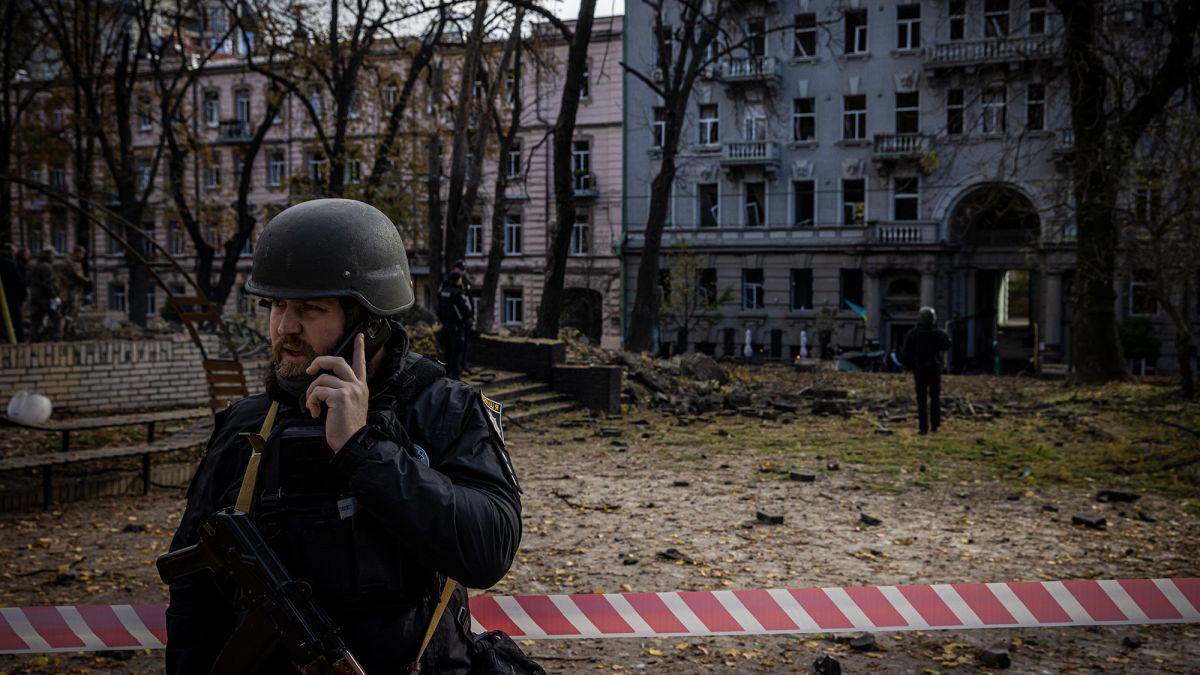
(1030, 604)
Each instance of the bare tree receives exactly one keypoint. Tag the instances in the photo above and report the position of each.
(550, 310)
(106, 50)
(507, 141)
(691, 301)
(22, 78)
(1115, 96)
(467, 114)
(318, 54)
(1162, 223)
(687, 38)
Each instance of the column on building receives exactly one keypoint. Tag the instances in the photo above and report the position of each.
(1051, 328)
(928, 287)
(874, 301)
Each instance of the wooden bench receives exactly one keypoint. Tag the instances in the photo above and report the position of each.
(66, 426)
(189, 438)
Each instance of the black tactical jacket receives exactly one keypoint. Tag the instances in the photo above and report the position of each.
(425, 490)
(923, 347)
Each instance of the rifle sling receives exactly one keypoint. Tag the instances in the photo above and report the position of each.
(258, 442)
(447, 592)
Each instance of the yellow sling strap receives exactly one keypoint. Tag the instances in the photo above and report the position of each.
(257, 443)
(447, 591)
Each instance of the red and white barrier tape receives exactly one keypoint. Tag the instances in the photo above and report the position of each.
(1031, 604)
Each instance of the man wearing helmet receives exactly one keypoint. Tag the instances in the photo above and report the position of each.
(379, 477)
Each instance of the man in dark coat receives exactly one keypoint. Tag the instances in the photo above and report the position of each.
(923, 348)
(457, 315)
(12, 275)
(380, 477)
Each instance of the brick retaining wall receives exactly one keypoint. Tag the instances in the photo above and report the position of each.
(108, 376)
(597, 387)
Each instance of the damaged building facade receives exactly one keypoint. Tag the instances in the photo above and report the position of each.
(869, 159)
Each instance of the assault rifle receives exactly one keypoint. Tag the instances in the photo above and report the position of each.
(281, 608)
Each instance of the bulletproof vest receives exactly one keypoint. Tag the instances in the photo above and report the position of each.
(321, 532)
(447, 310)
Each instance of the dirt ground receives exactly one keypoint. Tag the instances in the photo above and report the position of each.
(659, 501)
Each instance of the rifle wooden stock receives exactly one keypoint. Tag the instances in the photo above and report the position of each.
(230, 542)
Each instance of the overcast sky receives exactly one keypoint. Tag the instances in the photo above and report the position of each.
(569, 9)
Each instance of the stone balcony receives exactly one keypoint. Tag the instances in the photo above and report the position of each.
(993, 50)
(901, 146)
(235, 131)
(750, 153)
(902, 233)
(751, 70)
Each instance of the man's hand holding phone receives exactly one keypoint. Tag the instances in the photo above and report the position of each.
(343, 390)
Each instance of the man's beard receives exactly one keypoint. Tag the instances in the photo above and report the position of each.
(290, 371)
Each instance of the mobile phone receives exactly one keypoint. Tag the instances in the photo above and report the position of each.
(376, 333)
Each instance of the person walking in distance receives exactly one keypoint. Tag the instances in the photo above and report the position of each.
(923, 348)
(73, 283)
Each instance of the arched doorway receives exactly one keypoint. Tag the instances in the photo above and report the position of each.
(581, 311)
(995, 225)
(994, 215)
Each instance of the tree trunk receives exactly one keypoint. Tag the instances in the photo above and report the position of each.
(550, 309)
(457, 215)
(491, 276)
(645, 303)
(1096, 349)
(433, 191)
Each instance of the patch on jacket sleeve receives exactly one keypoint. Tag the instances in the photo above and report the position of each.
(495, 411)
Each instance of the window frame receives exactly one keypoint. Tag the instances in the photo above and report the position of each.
(913, 197)
(804, 36)
(276, 168)
(857, 35)
(812, 203)
(994, 112)
(760, 205)
(804, 118)
(908, 29)
(709, 127)
(514, 244)
(908, 110)
(756, 40)
(512, 302)
(658, 131)
(846, 219)
(753, 291)
(854, 121)
(997, 23)
(1035, 108)
(956, 112)
(579, 227)
(1037, 17)
(474, 247)
(512, 165)
(956, 20)
(794, 286)
(212, 108)
(701, 189)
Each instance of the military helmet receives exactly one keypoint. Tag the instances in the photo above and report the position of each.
(333, 248)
